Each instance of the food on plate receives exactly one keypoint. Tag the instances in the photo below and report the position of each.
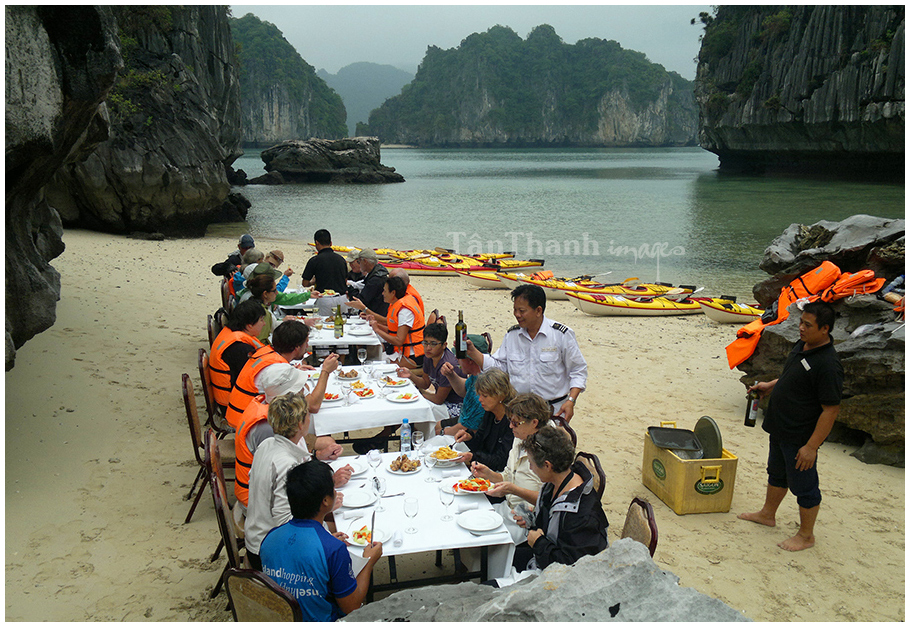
(350, 374)
(358, 385)
(445, 453)
(363, 535)
(367, 393)
(405, 397)
(405, 464)
(330, 293)
(475, 484)
(331, 397)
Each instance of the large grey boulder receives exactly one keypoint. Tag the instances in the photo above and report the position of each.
(352, 160)
(60, 63)
(622, 583)
(175, 127)
(856, 243)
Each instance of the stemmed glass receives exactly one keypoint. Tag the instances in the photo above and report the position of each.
(430, 461)
(379, 487)
(417, 436)
(446, 497)
(411, 506)
(381, 384)
(362, 355)
(346, 388)
(375, 458)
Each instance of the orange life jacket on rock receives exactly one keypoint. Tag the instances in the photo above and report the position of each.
(256, 412)
(244, 390)
(414, 338)
(806, 285)
(219, 371)
(850, 283)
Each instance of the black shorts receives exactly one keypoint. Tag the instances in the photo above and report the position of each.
(782, 473)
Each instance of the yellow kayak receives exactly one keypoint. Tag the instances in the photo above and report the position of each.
(484, 280)
(728, 311)
(618, 305)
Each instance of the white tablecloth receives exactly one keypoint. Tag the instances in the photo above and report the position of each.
(334, 417)
(326, 337)
(432, 533)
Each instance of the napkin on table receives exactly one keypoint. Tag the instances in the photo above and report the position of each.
(464, 508)
(397, 538)
(450, 473)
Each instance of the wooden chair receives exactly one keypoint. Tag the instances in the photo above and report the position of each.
(223, 516)
(227, 300)
(210, 328)
(215, 417)
(213, 461)
(226, 447)
(220, 320)
(561, 423)
(255, 597)
(640, 524)
(592, 463)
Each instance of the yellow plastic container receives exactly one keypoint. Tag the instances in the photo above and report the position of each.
(689, 486)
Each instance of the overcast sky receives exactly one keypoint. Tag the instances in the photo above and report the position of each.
(332, 36)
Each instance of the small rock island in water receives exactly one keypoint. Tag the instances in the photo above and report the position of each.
(351, 160)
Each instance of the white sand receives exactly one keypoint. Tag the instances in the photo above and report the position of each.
(95, 507)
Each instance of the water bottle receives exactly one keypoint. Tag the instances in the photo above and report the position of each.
(405, 436)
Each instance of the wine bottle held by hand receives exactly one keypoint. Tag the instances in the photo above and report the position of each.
(461, 337)
(751, 408)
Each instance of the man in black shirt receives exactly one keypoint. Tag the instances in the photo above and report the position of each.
(804, 404)
(370, 300)
(328, 271)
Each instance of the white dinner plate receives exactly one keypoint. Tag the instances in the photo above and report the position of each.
(476, 520)
(358, 465)
(368, 396)
(360, 331)
(351, 379)
(463, 492)
(358, 498)
(384, 368)
(399, 383)
(382, 535)
(399, 398)
(332, 400)
(399, 472)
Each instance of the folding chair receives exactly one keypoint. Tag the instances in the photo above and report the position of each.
(210, 328)
(640, 524)
(215, 418)
(213, 461)
(223, 515)
(561, 423)
(592, 463)
(226, 447)
(226, 297)
(255, 597)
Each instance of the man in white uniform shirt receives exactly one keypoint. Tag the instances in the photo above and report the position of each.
(540, 355)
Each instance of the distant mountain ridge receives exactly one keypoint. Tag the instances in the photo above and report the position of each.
(365, 86)
(496, 89)
(281, 96)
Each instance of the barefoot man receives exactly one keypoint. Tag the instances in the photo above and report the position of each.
(804, 403)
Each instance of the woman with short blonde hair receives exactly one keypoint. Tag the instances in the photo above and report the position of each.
(286, 413)
(490, 443)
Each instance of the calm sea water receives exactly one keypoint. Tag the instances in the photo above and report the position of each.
(662, 214)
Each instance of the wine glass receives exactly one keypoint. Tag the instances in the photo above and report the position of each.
(446, 497)
(381, 384)
(379, 487)
(375, 458)
(362, 355)
(346, 388)
(411, 505)
(417, 437)
(430, 461)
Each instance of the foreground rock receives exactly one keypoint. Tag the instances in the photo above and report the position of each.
(867, 335)
(56, 84)
(621, 583)
(352, 160)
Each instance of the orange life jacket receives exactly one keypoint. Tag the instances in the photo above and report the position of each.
(413, 292)
(543, 275)
(809, 284)
(219, 371)
(256, 412)
(850, 283)
(244, 389)
(414, 338)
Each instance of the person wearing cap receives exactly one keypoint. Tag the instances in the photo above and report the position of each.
(355, 276)
(227, 267)
(282, 298)
(327, 271)
(268, 506)
(251, 258)
(289, 343)
(370, 300)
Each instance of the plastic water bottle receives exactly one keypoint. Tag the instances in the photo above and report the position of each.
(405, 436)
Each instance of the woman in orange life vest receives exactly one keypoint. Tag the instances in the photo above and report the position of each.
(405, 321)
(233, 346)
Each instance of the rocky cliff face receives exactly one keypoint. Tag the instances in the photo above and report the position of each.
(60, 64)
(804, 87)
(283, 98)
(175, 113)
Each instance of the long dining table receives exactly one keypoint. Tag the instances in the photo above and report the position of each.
(495, 543)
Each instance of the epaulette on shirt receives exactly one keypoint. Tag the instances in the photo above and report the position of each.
(560, 327)
(514, 327)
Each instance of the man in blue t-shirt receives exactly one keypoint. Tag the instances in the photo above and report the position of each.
(308, 561)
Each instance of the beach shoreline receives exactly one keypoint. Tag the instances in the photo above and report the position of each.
(98, 457)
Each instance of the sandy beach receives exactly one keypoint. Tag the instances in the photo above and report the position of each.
(98, 457)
